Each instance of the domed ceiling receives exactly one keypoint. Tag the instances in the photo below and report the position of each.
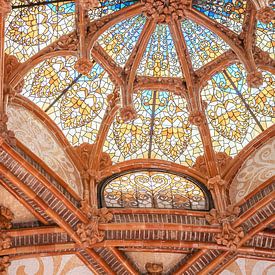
(154, 68)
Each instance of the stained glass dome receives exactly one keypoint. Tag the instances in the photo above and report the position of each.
(149, 80)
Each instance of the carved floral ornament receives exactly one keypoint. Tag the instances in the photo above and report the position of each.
(89, 233)
(164, 11)
(4, 264)
(5, 134)
(154, 268)
(5, 7)
(230, 236)
(88, 4)
(6, 217)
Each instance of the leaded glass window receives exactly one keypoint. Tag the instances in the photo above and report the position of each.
(154, 189)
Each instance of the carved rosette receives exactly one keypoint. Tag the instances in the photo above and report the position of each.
(164, 11)
(4, 264)
(266, 15)
(128, 113)
(5, 134)
(89, 233)
(83, 66)
(154, 268)
(229, 237)
(255, 79)
(5, 7)
(196, 118)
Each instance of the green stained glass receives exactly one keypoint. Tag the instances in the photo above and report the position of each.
(153, 189)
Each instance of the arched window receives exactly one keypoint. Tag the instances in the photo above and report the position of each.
(154, 189)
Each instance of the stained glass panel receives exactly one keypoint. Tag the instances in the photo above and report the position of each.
(119, 40)
(151, 189)
(266, 37)
(231, 123)
(30, 29)
(227, 12)
(80, 110)
(108, 7)
(161, 131)
(203, 45)
(160, 57)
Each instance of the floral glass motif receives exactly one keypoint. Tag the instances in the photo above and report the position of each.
(266, 37)
(203, 45)
(108, 7)
(160, 58)
(152, 189)
(160, 131)
(231, 124)
(80, 110)
(119, 40)
(227, 12)
(30, 29)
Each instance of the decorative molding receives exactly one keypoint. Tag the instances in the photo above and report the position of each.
(266, 15)
(216, 181)
(6, 217)
(88, 4)
(68, 42)
(164, 11)
(196, 118)
(113, 99)
(254, 79)
(5, 7)
(89, 233)
(5, 134)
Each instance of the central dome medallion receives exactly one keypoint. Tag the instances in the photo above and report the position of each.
(164, 11)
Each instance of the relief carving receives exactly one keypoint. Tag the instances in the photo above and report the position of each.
(4, 264)
(6, 217)
(230, 236)
(196, 118)
(83, 66)
(113, 99)
(5, 7)
(255, 79)
(266, 15)
(89, 233)
(128, 113)
(163, 11)
(5, 134)
(88, 4)
(154, 268)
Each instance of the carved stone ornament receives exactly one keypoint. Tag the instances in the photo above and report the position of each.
(5, 7)
(164, 11)
(4, 264)
(229, 236)
(222, 160)
(154, 268)
(11, 64)
(113, 99)
(89, 233)
(255, 79)
(88, 4)
(5, 241)
(84, 66)
(266, 15)
(216, 181)
(128, 113)
(262, 58)
(68, 42)
(5, 134)
(196, 118)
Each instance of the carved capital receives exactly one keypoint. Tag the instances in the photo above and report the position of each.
(255, 79)
(88, 4)
(5, 7)
(5, 134)
(266, 15)
(196, 118)
(89, 233)
(4, 264)
(128, 113)
(83, 66)
(163, 11)
(154, 268)
(216, 181)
